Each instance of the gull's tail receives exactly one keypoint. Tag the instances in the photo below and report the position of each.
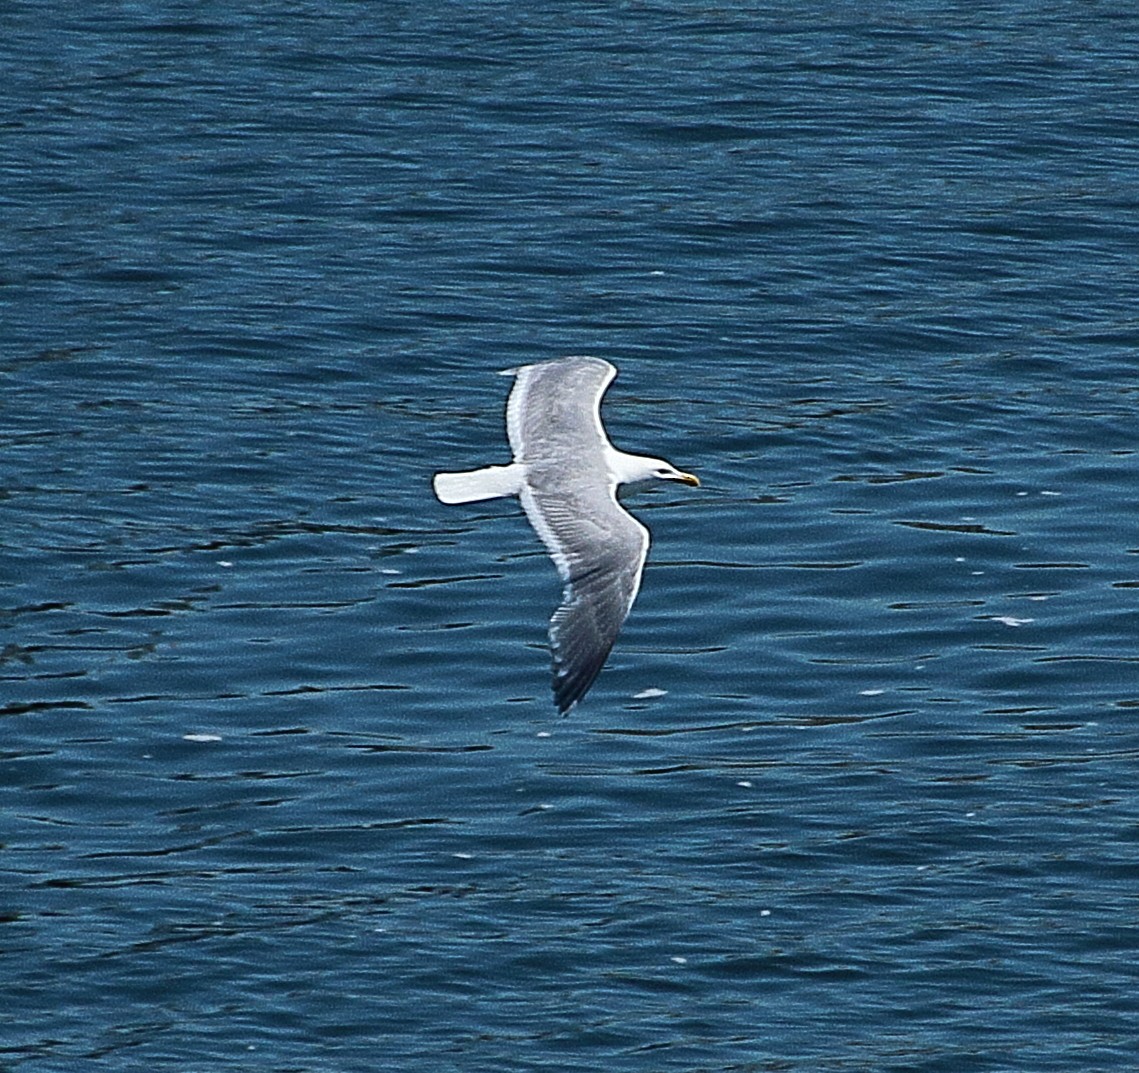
(475, 484)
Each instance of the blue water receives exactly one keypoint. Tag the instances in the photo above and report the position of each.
(282, 786)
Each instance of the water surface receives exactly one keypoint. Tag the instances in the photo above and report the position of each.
(282, 784)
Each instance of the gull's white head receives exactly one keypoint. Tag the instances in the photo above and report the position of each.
(630, 469)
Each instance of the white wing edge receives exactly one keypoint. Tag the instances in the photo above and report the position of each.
(546, 534)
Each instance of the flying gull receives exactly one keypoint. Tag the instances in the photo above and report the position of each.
(566, 473)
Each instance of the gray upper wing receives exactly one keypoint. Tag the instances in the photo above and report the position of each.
(600, 551)
(553, 413)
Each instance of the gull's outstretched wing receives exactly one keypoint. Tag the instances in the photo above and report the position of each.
(599, 549)
(554, 411)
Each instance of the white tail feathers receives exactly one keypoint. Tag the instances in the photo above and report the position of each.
(476, 484)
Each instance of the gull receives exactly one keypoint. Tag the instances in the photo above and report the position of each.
(566, 473)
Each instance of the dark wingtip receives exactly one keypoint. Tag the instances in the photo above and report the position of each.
(579, 646)
(571, 683)
(566, 694)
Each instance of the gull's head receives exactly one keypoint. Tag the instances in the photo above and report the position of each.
(665, 471)
(629, 469)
